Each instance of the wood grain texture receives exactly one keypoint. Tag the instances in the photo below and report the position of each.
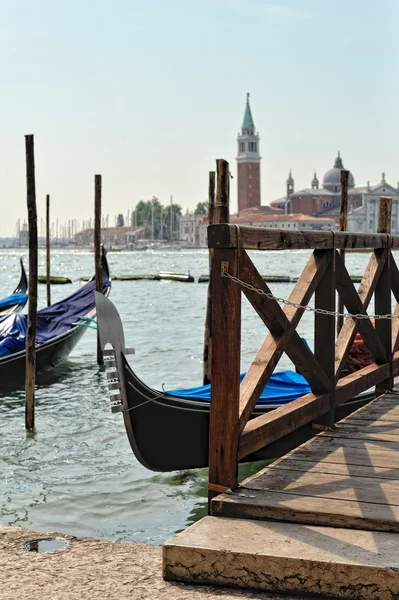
(226, 329)
(324, 329)
(262, 238)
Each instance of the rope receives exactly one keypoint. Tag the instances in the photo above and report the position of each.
(319, 311)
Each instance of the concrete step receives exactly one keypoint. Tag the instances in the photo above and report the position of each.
(285, 558)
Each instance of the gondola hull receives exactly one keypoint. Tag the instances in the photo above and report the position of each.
(168, 433)
(48, 356)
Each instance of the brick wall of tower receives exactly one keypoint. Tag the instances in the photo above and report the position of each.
(248, 182)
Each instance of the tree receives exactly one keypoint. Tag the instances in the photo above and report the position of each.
(156, 218)
(202, 208)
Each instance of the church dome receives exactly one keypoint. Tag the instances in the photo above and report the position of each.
(333, 176)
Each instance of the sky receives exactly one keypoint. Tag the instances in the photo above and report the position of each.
(150, 93)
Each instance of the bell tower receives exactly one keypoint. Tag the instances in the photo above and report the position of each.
(248, 163)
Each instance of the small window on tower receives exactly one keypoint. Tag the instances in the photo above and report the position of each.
(242, 146)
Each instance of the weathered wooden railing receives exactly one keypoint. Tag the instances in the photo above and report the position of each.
(232, 435)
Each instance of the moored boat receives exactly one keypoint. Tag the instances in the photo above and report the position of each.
(16, 301)
(169, 431)
(60, 326)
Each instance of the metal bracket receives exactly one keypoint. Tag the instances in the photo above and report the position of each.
(224, 264)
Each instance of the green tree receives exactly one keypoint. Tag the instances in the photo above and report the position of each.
(202, 208)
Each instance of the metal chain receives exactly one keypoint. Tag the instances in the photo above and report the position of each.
(319, 311)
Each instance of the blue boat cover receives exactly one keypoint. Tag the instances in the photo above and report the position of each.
(51, 321)
(13, 300)
(281, 388)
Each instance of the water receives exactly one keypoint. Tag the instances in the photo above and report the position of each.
(76, 474)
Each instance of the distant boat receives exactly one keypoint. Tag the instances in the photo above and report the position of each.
(16, 301)
(169, 431)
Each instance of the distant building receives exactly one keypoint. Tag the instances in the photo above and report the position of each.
(111, 236)
(363, 211)
(325, 201)
(189, 228)
(23, 236)
(248, 163)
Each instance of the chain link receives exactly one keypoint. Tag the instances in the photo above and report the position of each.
(319, 311)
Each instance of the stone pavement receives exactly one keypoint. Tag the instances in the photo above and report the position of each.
(91, 569)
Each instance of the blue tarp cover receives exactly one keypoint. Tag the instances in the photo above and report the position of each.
(51, 321)
(281, 388)
(12, 300)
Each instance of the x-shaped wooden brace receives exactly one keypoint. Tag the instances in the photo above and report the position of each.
(283, 336)
(357, 303)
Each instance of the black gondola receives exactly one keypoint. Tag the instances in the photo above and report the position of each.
(16, 301)
(56, 348)
(168, 433)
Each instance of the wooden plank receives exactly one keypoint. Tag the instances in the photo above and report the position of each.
(296, 464)
(328, 485)
(324, 331)
(354, 305)
(350, 327)
(265, 429)
(346, 451)
(226, 329)
(262, 238)
(222, 236)
(280, 506)
(283, 336)
(357, 433)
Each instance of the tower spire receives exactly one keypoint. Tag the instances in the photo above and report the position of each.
(248, 162)
(248, 125)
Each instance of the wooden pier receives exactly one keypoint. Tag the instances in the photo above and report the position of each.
(323, 519)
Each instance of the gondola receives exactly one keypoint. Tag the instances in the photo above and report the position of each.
(16, 301)
(169, 432)
(60, 326)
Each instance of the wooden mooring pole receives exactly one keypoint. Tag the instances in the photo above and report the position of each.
(48, 250)
(30, 364)
(343, 226)
(97, 250)
(218, 212)
(208, 337)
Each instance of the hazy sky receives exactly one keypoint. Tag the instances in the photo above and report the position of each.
(149, 93)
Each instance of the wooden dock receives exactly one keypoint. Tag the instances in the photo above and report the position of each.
(321, 520)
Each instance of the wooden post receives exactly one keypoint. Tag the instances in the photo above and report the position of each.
(30, 368)
(225, 391)
(97, 251)
(382, 297)
(222, 192)
(48, 250)
(208, 335)
(343, 226)
(324, 334)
